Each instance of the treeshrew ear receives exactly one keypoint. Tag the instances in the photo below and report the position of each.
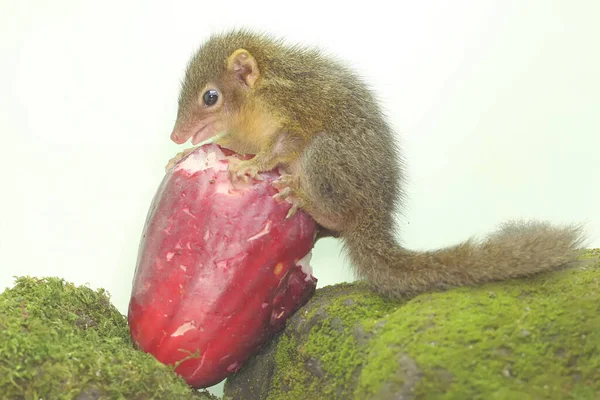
(244, 66)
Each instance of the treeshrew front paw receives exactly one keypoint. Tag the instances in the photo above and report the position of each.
(243, 170)
(178, 157)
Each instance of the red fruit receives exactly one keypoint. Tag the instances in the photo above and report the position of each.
(219, 269)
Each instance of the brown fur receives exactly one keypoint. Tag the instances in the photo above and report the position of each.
(311, 115)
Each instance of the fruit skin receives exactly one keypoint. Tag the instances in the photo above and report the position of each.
(219, 268)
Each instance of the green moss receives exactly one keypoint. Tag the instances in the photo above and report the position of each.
(591, 254)
(60, 341)
(509, 338)
(524, 338)
(289, 374)
(334, 347)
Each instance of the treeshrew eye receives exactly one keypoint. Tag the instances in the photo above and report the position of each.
(210, 97)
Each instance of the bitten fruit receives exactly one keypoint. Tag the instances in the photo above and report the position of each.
(219, 269)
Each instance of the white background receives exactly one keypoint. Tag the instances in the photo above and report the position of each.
(497, 105)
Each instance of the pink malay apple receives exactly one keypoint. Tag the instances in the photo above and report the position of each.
(219, 268)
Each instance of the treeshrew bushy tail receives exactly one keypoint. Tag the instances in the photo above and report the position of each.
(516, 249)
